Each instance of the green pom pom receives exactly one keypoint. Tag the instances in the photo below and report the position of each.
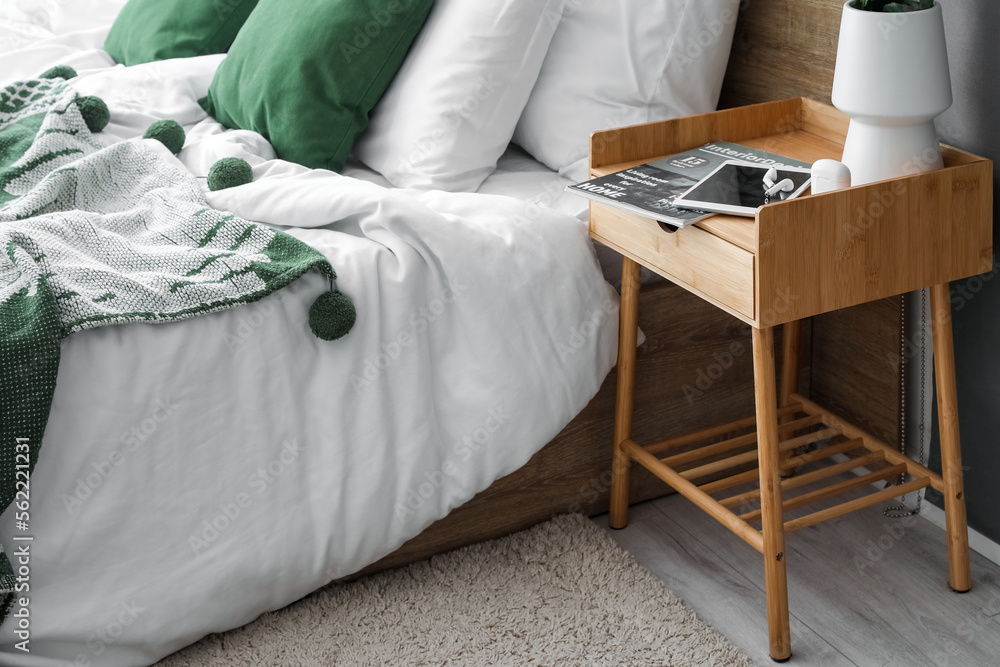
(228, 173)
(332, 315)
(167, 132)
(58, 72)
(95, 112)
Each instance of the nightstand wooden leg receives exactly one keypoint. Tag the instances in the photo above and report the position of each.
(775, 577)
(792, 333)
(628, 329)
(789, 378)
(951, 454)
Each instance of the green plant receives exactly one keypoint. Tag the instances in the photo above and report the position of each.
(892, 5)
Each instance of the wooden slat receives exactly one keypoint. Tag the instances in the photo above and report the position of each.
(695, 495)
(824, 453)
(810, 438)
(703, 434)
(807, 478)
(787, 464)
(832, 490)
(745, 477)
(871, 442)
(714, 431)
(856, 504)
(736, 443)
(751, 456)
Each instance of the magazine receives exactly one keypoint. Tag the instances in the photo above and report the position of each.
(649, 190)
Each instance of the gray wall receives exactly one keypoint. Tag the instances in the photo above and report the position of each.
(973, 123)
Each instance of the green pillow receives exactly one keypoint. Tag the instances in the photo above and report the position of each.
(305, 75)
(148, 30)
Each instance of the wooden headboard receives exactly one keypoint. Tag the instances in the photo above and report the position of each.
(788, 48)
(782, 48)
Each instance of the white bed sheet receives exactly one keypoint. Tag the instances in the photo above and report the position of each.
(194, 475)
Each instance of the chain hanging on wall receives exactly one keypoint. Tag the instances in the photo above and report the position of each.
(901, 510)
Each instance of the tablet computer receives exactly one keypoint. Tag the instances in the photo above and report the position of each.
(741, 188)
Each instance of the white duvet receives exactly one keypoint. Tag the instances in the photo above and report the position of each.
(197, 474)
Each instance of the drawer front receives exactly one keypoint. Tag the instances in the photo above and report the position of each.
(705, 264)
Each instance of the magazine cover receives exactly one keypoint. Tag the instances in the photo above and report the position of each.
(650, 189)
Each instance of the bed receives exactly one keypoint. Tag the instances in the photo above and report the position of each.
(196, 474)
(256, 463)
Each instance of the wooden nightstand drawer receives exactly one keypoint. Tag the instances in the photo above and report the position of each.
(707, 265)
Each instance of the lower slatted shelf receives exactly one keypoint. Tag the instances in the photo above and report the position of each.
(815, 446)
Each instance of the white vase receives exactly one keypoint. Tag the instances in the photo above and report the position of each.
(892, 79)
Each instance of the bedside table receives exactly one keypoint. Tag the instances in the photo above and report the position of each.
(795, 259)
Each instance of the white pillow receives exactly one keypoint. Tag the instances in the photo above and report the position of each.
(451, 110)
(623, 62)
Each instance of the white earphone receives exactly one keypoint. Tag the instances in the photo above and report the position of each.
(772, 188)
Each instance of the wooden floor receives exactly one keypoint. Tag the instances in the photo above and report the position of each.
(863, 589)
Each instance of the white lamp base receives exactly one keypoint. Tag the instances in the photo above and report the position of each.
(877, 149)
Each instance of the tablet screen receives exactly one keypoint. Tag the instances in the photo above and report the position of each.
(743, 185)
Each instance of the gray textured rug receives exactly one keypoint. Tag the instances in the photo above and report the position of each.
(561, 593)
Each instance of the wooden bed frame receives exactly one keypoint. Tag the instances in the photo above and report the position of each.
(687, 376)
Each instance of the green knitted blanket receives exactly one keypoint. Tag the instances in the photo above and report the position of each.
(93, 235)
